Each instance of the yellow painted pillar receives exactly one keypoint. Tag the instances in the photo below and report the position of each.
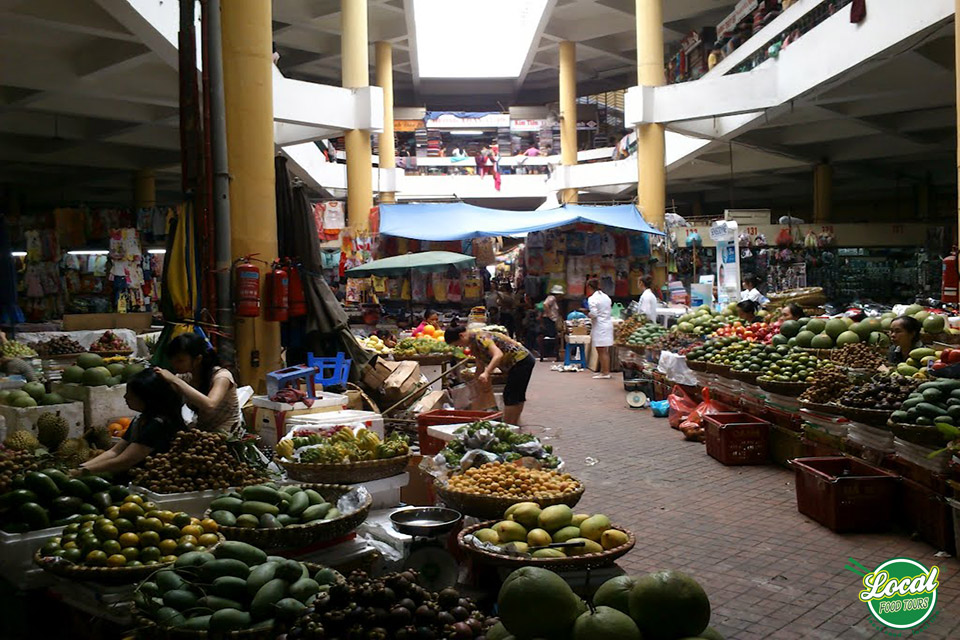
(568, 112)
(144, 189)
(651, 172)
(822, 193)
(387, 144)
(356, 74)
(248, 95)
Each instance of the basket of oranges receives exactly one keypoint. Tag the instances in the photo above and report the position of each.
(125, 544)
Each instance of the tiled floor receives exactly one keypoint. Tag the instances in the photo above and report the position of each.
(770, 572)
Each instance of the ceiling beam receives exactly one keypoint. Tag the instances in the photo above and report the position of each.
(534, 46)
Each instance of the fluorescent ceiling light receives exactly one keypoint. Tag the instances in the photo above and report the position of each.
(92, 252)
(156, 250)
(471, 39)
(18, 254)
(467, 132)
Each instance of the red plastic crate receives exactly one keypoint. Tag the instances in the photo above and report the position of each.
(430, 446)
(926, 513)
(845, 494)
(784, 419)
(932, 480)
(737, 438)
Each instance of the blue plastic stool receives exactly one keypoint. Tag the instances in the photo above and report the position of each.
(334, 372)
(575, 354)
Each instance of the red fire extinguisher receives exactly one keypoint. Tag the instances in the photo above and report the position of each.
(298, 302)
(277, 285)
(247, 289)
(950, 288)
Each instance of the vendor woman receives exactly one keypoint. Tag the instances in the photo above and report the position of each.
(792, 311)
(904, 338)
(430, 317)
(747, 310)
(494, 350)
(150, 432)
(205, 387)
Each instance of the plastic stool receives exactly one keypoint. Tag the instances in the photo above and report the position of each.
(576, 354)
(333, 372)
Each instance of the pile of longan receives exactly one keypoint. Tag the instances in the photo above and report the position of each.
(510, 481)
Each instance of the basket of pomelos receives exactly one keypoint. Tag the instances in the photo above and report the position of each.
(126, 543)
(490, 489)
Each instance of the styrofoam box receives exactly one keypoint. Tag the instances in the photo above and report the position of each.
(372, 421)
(101, 405)
(16, 552)
(193, 503)
(25, 418)
(446, 432)
(324, 402)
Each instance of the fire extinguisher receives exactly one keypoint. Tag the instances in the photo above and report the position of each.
(950, 288)
(298, 302)
(277, 285)
(247, 289)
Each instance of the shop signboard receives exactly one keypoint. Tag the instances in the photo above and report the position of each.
(527, 124)
(743, 9)
(725, 233)
(690, 42)
(467, 120)
(407, 125)
(586, 125)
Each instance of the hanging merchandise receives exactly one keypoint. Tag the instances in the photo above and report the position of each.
(276, 286)
(419, 286)
(333, 218)
(472, 285)
(247, 289)
(439, 283)
(454, 290)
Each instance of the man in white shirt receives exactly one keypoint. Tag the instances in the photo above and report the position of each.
(648, 301)
(601, 333)
(750, 291)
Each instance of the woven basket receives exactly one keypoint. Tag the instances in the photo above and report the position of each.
(718, 369)
(572, 563)
(789, 389)
(922, 435)
(748, 377)
(696, 365)
(106, 575)
(872, 417)
(492, 508)
(351, 473)
(299, 535)
(830, 408)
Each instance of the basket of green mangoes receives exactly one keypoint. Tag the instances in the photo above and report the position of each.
(279, 517)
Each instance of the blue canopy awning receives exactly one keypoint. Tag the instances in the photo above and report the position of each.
(461, 221)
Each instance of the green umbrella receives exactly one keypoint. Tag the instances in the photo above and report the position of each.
(400, 265)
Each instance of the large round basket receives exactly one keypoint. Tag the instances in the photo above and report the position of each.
(718, 369)
(351, 473)
(111, 354)
(696, 365)
(918, 434)
(492, 508)
(873, 417)
(106, 575)
(299, 535)
(789, 389)
(571, 563)
(747, 377)
(829, 408)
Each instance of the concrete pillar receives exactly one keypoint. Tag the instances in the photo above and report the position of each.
(144, 189)
(248, 96)
(356, 73)
(568, 112)
(387, 143)
(651, 173)
(822, 193)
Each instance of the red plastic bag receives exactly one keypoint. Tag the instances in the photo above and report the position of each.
(681, 406)
(706, 407)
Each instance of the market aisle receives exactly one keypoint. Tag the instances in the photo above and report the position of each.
(769, 571)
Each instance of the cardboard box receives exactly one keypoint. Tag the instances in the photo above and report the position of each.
(139, 322)
(472, 396)
(375, 375)
(579, 331)
(431, 401)
(101, 405)
(25, 419)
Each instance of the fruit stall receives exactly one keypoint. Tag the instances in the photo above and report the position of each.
(821, 396)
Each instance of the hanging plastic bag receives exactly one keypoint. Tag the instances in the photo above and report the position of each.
(784, 238)
(705, 408)
(675, 368)
(681, 406)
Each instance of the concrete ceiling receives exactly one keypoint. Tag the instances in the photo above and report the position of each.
(307, 36)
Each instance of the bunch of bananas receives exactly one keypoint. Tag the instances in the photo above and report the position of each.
(304, 441)
(395, 445)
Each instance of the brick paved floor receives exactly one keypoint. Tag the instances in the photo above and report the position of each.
(770, 572)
